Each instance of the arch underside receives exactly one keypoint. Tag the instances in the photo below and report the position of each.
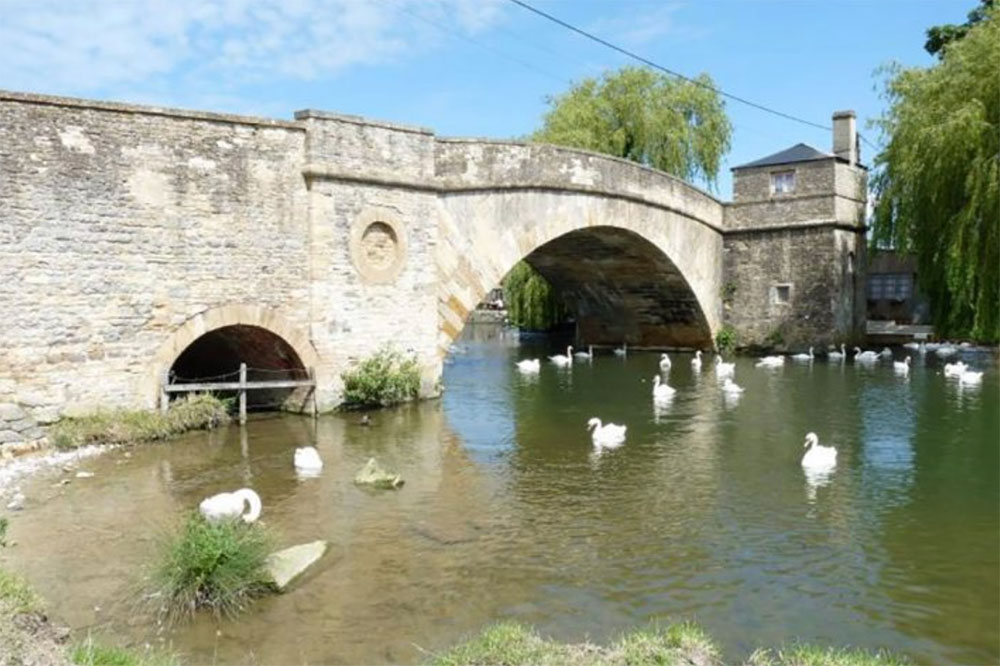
(622, 288)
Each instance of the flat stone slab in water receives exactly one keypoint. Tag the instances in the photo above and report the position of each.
(286, 565)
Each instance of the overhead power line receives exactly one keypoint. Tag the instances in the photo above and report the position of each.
(661, 68)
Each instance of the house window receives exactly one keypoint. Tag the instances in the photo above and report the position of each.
(890, 287)
(782, 182)
(781, 293)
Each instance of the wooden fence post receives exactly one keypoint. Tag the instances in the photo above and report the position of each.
(243, 393)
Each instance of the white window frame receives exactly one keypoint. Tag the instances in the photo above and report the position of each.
(783, 182)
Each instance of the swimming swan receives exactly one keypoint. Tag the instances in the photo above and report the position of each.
(696, 361)
(662, 391)
(970, 377)
(838, 355)
(724, 369)
(804, 357)
(608, 436)
(770, 362)
(623, 350)
(227, 506)
(731, 387)
(307, 459)
(664, 362)
(902, 367)
(561, 360)
(818, 456)
(864, 356)
(586, 355)
(955, 369)
(529, 365)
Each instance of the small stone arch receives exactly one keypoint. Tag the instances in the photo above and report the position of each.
(272, 320)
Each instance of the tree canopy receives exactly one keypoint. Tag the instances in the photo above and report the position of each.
(937, 181)
(939, 36)
(532, 303)
(644, 116)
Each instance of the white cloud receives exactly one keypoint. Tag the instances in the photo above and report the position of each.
(641, 27)
(101, 46)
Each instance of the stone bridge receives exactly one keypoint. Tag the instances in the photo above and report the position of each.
(138, 240)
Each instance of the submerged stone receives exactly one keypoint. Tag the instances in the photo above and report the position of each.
(286, 565)
(373, 475)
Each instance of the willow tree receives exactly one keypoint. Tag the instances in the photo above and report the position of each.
(937, 182)
(531, 301)
(641, 115)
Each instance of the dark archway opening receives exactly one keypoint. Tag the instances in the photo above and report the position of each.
(622, 288)
(216, 357)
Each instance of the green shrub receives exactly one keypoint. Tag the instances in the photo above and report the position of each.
(218, 566)
(192, 412)
(91, 653)
(385, 378)
(4, 523)
(774, 338)
(725, 339)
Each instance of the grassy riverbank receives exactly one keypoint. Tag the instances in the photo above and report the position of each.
(195, 412)
(511, 644)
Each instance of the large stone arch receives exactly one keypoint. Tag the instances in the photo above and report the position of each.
(271, 319)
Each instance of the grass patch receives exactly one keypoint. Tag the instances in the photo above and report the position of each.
(385, 378)
(4, 524)
(811, 655)
(91, 653)
(217, 566)
(193, 412)
(16, 596)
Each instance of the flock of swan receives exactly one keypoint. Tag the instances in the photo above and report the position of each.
(817, 458)
(244, 504)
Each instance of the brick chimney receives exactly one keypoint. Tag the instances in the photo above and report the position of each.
(845, 137)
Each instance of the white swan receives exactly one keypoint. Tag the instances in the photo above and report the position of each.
(664, 361)
(902, 367)
(818, 456)
(607, 436)
(770, 362)
(945, 351)
(562, 360)
(864, 356)
(585, 355)
(912, 346)
(731, 387)
(955, 369)
(837, 355)
(662, 391)
(886, 352)
(804, 357)
(307, 459)
(529, 365)
(696, 361)
(970, 377)
(623, 350)
(724, 369)
(227, 506)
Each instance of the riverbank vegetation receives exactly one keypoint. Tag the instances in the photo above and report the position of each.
(217, 566)
(937, 181)
(194, 412)
(685, 644)
(532, 303)
(385, 378)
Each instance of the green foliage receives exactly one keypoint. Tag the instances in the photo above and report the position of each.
(725, 339)
(91, 653)
(4, 524)
(532, 303)
(940, 36)
(193, 412)
(810, 655)
(16, 596)
(774, 338)
(219, 566)
(385, 378)
(938, 180)
(641, 115)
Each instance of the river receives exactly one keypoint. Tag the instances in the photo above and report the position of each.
(508, 513)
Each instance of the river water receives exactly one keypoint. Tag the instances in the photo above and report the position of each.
(507, 513)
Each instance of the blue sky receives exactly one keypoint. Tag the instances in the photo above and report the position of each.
(466, 67)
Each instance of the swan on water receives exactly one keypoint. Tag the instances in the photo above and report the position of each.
(664, 361)
(837, 355)
(226, 506)
(770, 362)
(729, 386)
(529, 365)
(621, 351)
(864, 356)
(696, 361)
(608, 435)
(307, 459)
(818, 456)
(912, 346)
(562, 360)
(955, 369)
(724, 369)
(886, 352)
(804, 357)
(662, 391)
(970, 377)
(585, 355)
(945, 351)
(902, 367)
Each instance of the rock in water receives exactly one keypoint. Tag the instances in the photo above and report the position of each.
(373, 475)
(286, 565)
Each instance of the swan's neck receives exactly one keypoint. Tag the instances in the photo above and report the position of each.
(252, 501)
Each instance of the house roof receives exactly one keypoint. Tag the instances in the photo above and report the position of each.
(800, 152)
